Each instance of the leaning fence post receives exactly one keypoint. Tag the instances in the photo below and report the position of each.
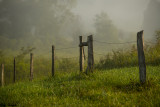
(31, 66)
(53, 58)
(2, 78)
(141, 57)
(90, 54)
(81, 58)
(14, 75)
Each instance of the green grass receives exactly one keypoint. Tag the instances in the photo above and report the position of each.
(116, 87)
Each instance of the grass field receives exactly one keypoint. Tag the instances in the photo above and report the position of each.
(115, 87)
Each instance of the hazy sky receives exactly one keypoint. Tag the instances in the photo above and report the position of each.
(125, 14)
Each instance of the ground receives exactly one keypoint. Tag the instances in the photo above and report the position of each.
(115, 87)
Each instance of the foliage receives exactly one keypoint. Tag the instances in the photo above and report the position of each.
(67, 64)
(1, 53)
(121, 58)
(24, 52)
(105, 29)
(42, 66)
(158, 36)
(33, 17)
(37, 23)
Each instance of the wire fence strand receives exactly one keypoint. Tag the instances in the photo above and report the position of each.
(66, 48)
(150, 42)
(131, 42)
(100, 54)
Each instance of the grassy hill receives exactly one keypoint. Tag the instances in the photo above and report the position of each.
(115, 87)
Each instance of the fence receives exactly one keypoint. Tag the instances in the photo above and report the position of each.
(90, 63)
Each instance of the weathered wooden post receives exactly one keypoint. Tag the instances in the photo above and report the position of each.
(81, 58)
(141, 57)
(2, 78)
(14, 73)
(89, 43)
(90, 54)
(53, 58)
(31, 66)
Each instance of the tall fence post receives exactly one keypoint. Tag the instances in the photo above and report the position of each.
(14, 75)
(81, 58)
(31, 66)
(141, 57)
(2, 78)
(53, 58)
(90, 54)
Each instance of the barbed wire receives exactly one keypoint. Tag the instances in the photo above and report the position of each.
(66, 48)
(150, 42)
(103, 54)
(99, 54)
(131, 42)
(67, 58)
(55, 49)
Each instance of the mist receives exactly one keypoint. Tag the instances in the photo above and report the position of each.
(38, 23)
(127, 15)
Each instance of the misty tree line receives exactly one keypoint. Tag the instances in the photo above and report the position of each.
(41, 23)
(34, 22)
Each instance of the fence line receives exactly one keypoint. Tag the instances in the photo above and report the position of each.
(89, 43)
(49, 52)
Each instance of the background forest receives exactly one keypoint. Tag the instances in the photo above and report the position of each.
(37, 24)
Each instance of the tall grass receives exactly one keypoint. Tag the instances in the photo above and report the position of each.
(129, 58)
(42, 64)
(42, 67)
(116, 87)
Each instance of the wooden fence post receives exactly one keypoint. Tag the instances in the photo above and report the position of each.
(81, 58)
(2, 79)
(90, 54)
(14, 75)
(141, 57)
(31, 66)
(53, 58)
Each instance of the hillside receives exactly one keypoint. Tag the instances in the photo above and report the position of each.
(116, 87)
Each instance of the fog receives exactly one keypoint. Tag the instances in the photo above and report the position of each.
(125, 14)
(40, 24)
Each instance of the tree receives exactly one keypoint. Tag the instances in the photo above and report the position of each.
(158, 36)
(37, 22)
(19, 18)
(105, 29)
(151, 18)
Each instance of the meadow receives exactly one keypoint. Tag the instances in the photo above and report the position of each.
(114, 82)
(116, 87)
